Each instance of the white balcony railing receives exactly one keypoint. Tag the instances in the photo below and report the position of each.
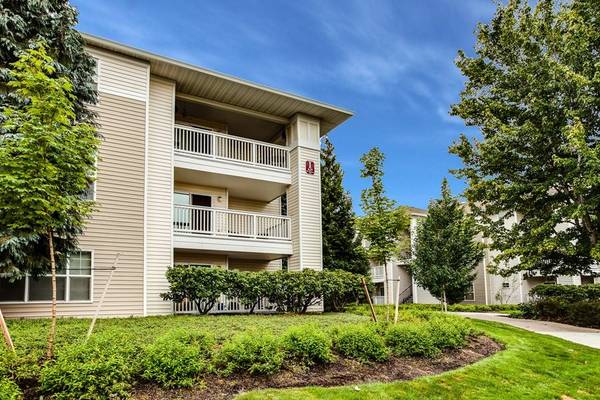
(214, 145)
(378, 300)
(223, 222)
(225, 305)
(377, 273)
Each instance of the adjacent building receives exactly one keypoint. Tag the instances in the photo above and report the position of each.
(195, 167)
(487, 288)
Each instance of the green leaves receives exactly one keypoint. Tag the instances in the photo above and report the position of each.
(383, 223)
(47, 157)
(533, 91)
(446, 250)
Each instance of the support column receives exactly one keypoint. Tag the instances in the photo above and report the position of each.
(304, 194)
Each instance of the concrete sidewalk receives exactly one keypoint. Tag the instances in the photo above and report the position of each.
(586, 336)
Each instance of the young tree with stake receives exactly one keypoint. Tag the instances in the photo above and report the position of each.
(47, 161)
(446, 250)
(383, 223)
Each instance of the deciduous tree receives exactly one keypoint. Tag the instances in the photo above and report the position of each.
(533, 91)
(47, 161)
(383, 222)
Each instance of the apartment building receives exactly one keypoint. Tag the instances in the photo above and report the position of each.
(195, 167)
(487, 288)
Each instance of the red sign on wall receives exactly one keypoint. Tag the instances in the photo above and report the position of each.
(310, 167)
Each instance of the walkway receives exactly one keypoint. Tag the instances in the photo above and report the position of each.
(586, 336)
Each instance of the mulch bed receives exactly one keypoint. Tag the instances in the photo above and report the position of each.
(342, 372)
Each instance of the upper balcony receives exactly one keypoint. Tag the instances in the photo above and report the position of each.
(229, 231)
(377, 273)
(222, 148)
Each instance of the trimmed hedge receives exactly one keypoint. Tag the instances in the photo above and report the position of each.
(290, 291)
(411, 340)
(584, 313)
(569, 293)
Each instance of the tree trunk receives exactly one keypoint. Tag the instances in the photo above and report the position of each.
(52, 333)
(386, 292)
(444, 301)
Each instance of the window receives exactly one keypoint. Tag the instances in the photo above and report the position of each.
(72, 284)
(470, 295)
(505, 285)
(284, 264)
(90, 193)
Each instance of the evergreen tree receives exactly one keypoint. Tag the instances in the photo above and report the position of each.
(342, 247)
(532, 88)
(446, 250)
(24, 23)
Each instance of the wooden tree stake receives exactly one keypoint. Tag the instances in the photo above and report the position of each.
(112, 270)
(6, 333)
(397, 302)
(364, 284)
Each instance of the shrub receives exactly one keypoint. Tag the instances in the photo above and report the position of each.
(248, 287)
(176, 359)
(9, 390)
(101, 368)
(198, 284)
(449, 331)
(252, 352)
(411, 340)
(569, 293)
(307, 344)
(584, 313)
(339, 287)
(295, 291)
(361, 342)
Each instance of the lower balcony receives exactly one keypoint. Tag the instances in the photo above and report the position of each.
(231, 232)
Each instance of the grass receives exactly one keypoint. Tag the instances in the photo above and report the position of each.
(498, 308)
(533, 366)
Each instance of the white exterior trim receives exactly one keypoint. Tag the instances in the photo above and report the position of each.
(146, 145)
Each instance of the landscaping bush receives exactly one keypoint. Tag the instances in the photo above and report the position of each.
(248, 287)
(449, 331)
(411, 340)
(198, 284)
(290, 291)
(104, 367)
(361, 342)
(307, 344)
(584, 313)
(340, 287)
(581, 313)
(568, 293)
(176, 359)
(252, 352)
(9, 390)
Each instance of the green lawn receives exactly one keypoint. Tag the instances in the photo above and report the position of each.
(533, 366)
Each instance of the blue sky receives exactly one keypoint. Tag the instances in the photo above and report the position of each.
(389, 61)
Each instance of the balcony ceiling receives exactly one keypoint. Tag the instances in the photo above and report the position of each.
(204, 83)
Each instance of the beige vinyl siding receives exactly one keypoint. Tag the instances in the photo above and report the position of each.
(294, 263)
(254, 265)
(217, 260)
(214, 192)
(310, 204)
(261, 207)
(159, 191)
(121, 76)
(118, 223)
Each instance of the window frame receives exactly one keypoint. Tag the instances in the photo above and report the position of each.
(67, 277)
(471, 293)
